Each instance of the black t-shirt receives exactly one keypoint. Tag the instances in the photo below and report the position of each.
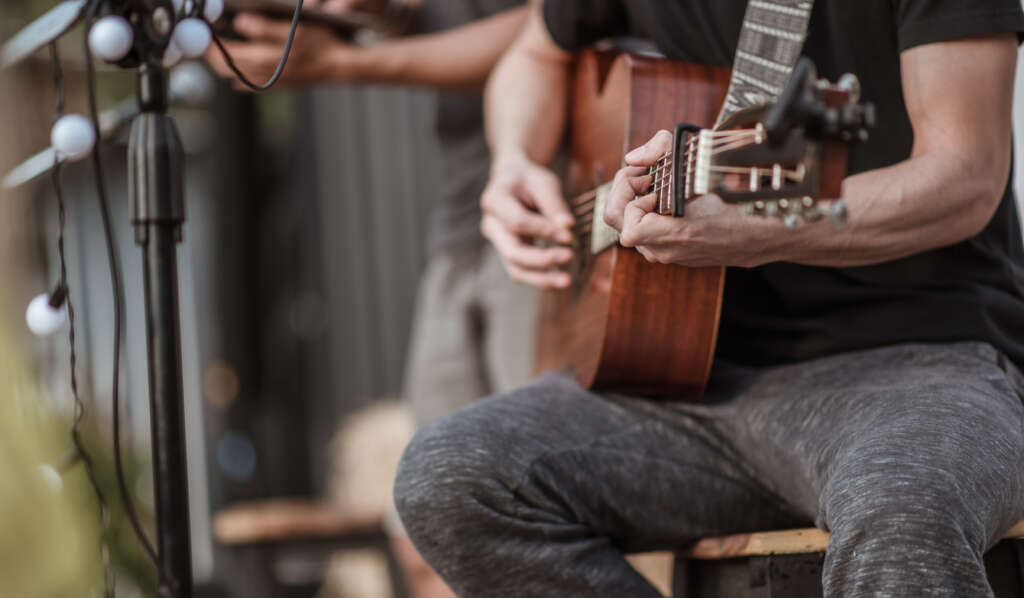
(465, 158)
(785, 312)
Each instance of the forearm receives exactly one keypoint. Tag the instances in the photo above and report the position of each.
(918, 205)
(954, 179)
(443, 60)
(527, 99)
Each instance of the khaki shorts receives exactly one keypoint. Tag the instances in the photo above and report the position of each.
(473, 334)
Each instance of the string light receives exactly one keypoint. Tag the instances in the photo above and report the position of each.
(73, 136)
(213, 10)
(172, 55)
(44, 319)
(111, 38)
(192, 37)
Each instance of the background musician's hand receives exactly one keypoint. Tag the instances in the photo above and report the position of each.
(711, 234)
(318, 55)
(521, 205)
(375, 6)
(346, 5)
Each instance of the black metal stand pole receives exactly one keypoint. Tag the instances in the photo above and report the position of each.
(156, 185)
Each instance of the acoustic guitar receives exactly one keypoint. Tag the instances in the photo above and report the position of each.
(627, 324)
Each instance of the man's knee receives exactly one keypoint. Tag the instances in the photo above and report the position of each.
(902, 501)
(448, 465)
(897, 529)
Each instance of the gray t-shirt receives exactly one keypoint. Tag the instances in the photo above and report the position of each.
(465, 160)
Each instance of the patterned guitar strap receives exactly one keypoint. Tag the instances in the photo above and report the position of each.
(771, 41)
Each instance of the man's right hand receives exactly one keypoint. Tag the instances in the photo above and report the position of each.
(522, 205)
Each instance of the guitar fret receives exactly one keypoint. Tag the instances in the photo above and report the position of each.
(795, 11)
(776, 33)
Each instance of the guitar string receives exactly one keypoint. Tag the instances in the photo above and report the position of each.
(585, 204)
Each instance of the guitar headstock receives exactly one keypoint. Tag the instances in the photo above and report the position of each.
(779, 160)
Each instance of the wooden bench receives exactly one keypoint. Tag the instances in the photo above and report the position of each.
(788, 564)
(291, 528)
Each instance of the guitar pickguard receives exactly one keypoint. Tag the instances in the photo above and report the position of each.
(603, 236)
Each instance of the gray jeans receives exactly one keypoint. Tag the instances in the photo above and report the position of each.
(912, 456)
(472, 333)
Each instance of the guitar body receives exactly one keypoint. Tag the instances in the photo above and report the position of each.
(627, 324)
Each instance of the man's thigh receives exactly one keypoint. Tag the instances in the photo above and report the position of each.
(641, 473)
(928, 431)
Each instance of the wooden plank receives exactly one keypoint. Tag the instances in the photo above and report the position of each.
(1016, 531)
(797, 541)
(289, 520)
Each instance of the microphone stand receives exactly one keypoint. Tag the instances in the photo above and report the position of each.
(156, 189)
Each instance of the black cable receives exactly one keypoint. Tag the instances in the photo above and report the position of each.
(115, 279)
(109, 582)
(280, 65)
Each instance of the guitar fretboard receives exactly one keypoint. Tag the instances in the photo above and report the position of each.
(770, 43)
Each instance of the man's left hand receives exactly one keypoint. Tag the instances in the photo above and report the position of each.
(711, 234)
(317, 56)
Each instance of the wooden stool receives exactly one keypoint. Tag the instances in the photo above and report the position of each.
(788, 564)
(302, 527)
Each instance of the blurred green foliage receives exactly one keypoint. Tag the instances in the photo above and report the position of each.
(51, 542)
(49, 547)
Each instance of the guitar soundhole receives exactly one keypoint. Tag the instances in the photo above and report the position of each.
(579, 269)
(583, 259)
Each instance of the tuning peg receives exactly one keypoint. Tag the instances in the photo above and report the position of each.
(851, 85)
(837, 213)
(812, 214)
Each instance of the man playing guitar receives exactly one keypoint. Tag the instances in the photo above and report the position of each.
(866, 379)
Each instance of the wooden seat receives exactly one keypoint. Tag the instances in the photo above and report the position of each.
(797, 541)
(295, 530)
(289, 519)
(788, 564)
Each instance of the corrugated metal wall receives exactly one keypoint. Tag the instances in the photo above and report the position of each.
(374, 153)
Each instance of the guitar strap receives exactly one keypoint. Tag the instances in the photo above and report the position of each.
(771, 41)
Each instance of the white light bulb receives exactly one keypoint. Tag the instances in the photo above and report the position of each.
(192, 84)
(73, 136)
(111, 38)
(51, 477)
(172, 55)
(193, 37)
(42, 319)
(213, 10)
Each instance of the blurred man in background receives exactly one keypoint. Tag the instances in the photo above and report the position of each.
(473, 329)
